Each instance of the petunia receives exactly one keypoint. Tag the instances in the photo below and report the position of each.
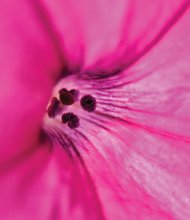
(126, 154)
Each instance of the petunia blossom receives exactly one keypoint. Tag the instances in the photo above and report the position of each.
(127, 156)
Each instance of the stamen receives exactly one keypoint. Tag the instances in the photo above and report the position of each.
(72, 119)
(88, 103)
(53, 107)
(67, 117)
(74, 122)
(66, 97)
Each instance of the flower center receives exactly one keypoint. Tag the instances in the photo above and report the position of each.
(65, 99)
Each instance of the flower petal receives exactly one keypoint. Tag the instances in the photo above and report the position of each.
(29, 67)
(47, 188)
(136, 144)
(107, 34)
(38, 180)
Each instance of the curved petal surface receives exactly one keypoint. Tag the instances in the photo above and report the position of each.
(136, 143)
(109, 35)
(37, 180)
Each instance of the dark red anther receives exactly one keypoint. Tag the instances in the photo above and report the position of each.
(72, 119)
(53, 107)
(67, 117)
(74, 122)
(66, 97)
(88, 103)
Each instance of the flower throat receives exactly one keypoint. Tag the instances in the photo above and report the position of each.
(68, 98)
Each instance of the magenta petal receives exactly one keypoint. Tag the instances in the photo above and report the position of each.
(50, 187)
(136, 144)
(28, 70)
(108, 31)
(35, 182)
(138, 139)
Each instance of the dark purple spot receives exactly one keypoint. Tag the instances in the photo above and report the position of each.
(67, 117)
(74, 122)
(88, 103)
(72, 119)
(66, 97)
(53, 107)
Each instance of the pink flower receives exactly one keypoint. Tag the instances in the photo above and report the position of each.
(128, 159)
